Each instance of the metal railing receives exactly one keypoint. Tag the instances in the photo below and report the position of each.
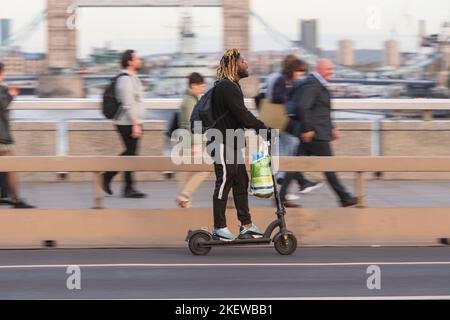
(172, 104)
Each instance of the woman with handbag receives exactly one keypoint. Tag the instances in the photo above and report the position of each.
(293, 72)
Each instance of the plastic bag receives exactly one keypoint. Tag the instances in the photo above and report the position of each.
(261, 182)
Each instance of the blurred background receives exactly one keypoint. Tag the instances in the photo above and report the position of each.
(382, 49)
(388, 54)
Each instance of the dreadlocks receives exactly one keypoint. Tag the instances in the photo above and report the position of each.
(228, 68)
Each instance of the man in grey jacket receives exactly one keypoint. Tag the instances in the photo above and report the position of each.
(129, 92)
(313, 103)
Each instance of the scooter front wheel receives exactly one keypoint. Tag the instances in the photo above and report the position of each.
(285, 245)
(195, 244)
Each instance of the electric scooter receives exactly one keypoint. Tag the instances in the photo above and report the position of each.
(285, 242)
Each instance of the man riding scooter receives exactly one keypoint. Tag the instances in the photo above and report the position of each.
(229, 108)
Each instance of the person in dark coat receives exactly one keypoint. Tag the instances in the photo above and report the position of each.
(313, 102)
(7, 95)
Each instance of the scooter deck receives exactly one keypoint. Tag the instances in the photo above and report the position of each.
(236, 242)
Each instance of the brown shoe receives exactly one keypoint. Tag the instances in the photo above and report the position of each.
(289, 204)
(349, 202)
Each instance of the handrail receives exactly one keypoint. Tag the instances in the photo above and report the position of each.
(173, 104)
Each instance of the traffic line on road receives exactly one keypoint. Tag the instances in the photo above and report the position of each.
(202, 265)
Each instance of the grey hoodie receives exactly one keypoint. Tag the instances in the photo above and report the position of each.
(130, 93)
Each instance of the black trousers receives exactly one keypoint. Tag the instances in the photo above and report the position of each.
(230, 175)
(319, 149)
(131, 148)
(4, 185)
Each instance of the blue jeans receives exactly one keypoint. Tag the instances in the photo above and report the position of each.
(287, 146)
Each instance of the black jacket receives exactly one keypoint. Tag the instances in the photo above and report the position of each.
(313, 102)
(228, 99)
(5, 101)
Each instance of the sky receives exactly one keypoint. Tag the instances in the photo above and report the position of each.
(154, 30)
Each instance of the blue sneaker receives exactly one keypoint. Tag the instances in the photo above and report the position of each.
(250, 233)
(223, 234)
(310, 186)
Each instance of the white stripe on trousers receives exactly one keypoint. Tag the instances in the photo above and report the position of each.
(224, 168)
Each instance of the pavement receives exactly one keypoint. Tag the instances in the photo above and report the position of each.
(379, 194)
(227, 273)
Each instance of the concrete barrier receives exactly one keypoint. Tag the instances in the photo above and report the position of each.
(147, 228)
(100, 138)
(97, 138)
(416, 138)
(398, 138)
(35, 138)
(356, 140)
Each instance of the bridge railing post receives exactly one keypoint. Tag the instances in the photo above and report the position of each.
(427, 115)
(360, 189)
(98, 200)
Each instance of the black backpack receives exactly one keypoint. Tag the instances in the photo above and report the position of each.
(203, 111)
(172, 124)
(111, 106)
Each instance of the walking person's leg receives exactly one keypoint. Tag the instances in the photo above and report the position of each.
(13, 186)
(323, 149)
(194, 182)
(4, 185)
(240, 193)
(191, 182)
(225, 175)
(283, 150)
(125, 135)
(183, 200)
(12, 183)
(290, 176)
(288, 179)
(131, 145)
(306, 185)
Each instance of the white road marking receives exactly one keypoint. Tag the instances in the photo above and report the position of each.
(202, 265)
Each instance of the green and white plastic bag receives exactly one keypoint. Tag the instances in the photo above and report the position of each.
(261, 182)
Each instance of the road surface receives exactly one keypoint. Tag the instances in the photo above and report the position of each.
(226, 273)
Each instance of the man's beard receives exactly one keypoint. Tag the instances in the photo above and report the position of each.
(242, 74)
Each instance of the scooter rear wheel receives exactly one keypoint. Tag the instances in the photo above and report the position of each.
(195, 242)
(287, 246)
